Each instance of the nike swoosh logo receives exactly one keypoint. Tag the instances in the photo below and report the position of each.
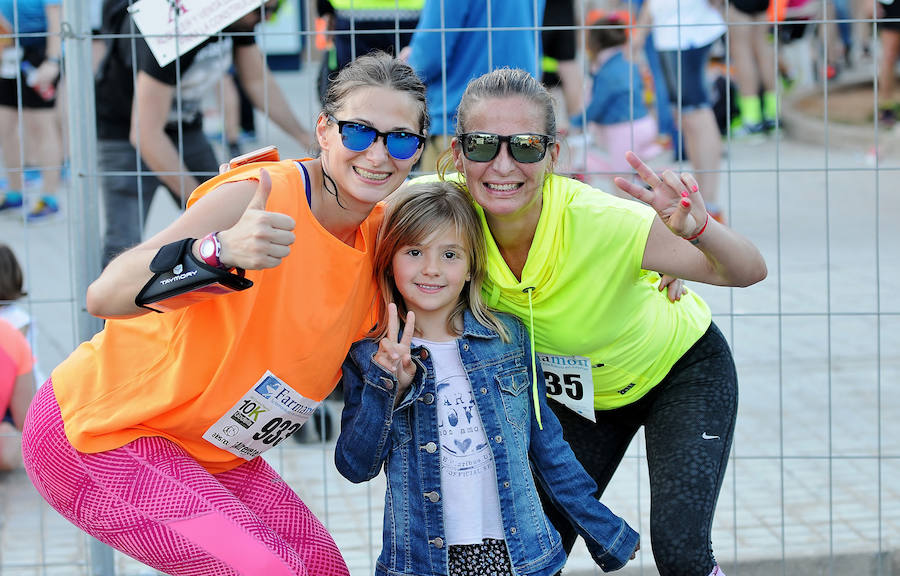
(706, 436)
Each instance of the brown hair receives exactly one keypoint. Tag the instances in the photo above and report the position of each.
(11, 279)
(610, 33)
(376, 68)
(413, 213)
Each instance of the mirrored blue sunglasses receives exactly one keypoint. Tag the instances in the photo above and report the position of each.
(400, 144)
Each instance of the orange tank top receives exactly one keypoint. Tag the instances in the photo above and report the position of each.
(15, 360)
(175, 374)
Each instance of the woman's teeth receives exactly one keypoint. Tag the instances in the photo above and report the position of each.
(371, 175)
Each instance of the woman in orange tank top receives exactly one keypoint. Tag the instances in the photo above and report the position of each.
(148, 436)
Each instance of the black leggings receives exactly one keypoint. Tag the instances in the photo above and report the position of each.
(688, 421)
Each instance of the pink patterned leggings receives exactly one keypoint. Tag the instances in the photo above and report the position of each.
(154, 502)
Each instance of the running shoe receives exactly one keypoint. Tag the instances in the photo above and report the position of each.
(42, 211)
(11, 201)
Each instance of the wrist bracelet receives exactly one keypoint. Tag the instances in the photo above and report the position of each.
(695, 238)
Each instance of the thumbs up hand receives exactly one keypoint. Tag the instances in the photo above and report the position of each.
(260, 239)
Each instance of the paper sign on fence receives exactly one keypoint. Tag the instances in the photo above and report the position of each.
(196, 21)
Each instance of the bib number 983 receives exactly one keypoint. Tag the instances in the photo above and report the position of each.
(276, 430)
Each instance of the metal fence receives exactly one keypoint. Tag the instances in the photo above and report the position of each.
(811, 485)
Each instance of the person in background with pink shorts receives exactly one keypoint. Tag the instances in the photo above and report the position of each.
(616, 114)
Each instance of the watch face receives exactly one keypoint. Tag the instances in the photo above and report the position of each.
(207, 248)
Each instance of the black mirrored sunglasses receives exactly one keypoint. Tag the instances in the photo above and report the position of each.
(484, 146)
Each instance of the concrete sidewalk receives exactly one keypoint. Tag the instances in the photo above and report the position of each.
(811, 488)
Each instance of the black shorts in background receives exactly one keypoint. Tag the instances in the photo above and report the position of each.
(751, 7)
(891, 12)
(561, 45)
(9, 87)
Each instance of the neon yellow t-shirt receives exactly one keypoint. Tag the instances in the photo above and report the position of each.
(591, 298)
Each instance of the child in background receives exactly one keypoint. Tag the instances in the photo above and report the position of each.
(11, 290)
(451, 402)
(616, 113)
(16, 391)
(12, 283)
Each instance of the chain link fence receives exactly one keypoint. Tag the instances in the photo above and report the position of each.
(811, 485)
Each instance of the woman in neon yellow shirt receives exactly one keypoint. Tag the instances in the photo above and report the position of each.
(577, 265)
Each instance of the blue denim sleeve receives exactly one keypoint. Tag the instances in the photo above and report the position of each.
(609, 539)
(364, 441)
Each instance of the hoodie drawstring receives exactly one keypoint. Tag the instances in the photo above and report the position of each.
(534, 385)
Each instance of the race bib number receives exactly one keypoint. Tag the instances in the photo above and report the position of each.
(570, 382)
(267, 414)
(197, 20)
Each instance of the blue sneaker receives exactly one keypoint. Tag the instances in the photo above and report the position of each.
(11, 200)
(42, 211)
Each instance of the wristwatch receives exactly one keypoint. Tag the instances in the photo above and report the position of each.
(210, 249)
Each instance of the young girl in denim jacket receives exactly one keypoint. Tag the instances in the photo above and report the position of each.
(447, 397)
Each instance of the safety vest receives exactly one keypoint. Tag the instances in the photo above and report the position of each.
(378, 9)
(377, 4)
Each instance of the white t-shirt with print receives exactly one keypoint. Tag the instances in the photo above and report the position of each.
(468, 475)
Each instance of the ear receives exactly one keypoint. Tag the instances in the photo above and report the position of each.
(415, 157)
(554, 152)
(457, 156)
(554, 157)
(322, 131)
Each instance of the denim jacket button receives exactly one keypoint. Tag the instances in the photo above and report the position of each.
(388, 383)
(484, 390)
(433, 496)
(438, 542)
(498, 438)
(423, 353)
(506, 484)
(431, 447)
(465, 346)
(428, 398)
(513, 530)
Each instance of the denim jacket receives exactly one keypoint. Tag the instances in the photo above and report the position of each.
(404, 440)
(617, 93)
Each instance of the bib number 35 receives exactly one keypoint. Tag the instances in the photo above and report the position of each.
(570, 382)
(570, 385)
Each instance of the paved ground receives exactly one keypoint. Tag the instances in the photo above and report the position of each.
(812, 485)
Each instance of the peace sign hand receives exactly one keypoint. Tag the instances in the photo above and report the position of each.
(394, 355)
(676, 198)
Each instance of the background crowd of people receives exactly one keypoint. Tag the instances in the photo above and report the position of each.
(677, 98)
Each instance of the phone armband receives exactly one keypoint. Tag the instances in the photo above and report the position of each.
(180, 280)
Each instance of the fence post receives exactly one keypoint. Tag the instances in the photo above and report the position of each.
(84, 183)
(83, 193)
